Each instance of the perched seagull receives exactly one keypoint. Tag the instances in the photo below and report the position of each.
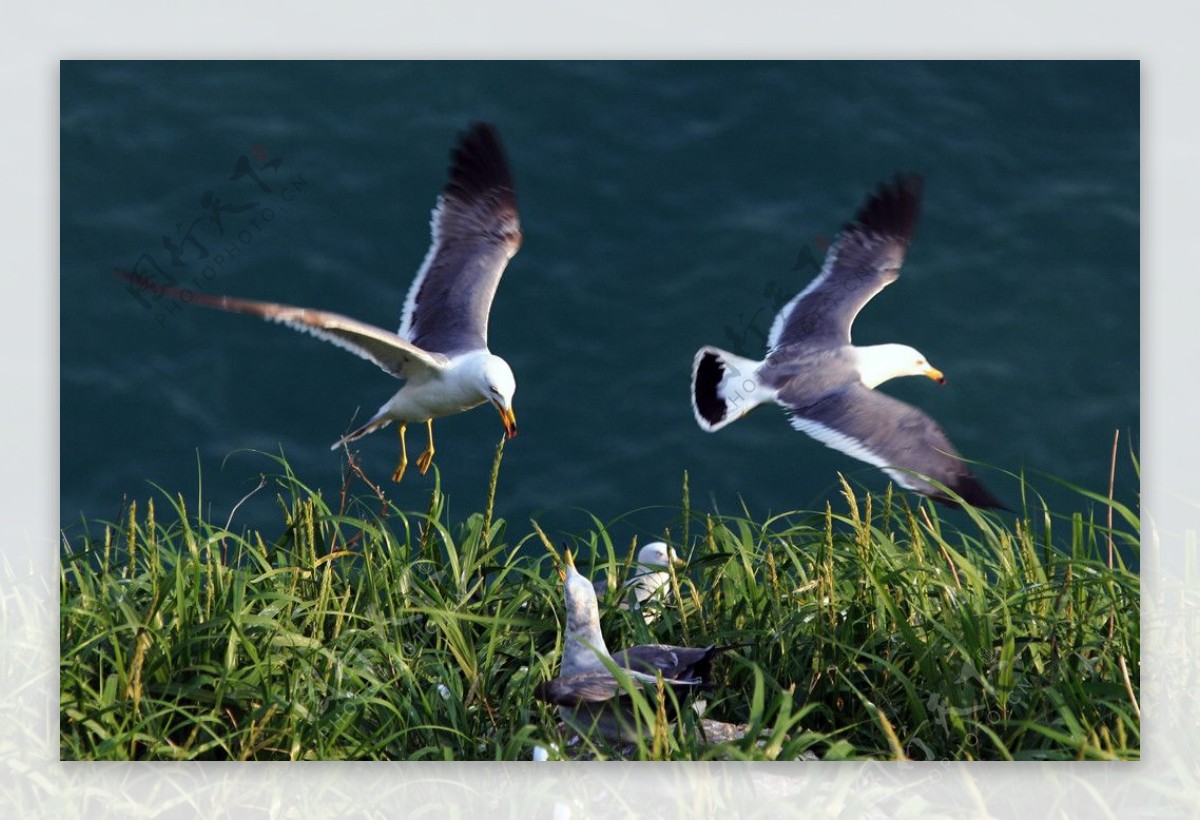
(825, 383)
(441, 348)
(649, 578)
(589, 696)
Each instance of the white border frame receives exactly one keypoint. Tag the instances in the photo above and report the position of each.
(35, 37)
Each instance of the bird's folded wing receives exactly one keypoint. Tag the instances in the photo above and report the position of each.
(685, 663)
(598, 686)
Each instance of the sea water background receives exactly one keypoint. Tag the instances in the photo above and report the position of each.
(665, 206)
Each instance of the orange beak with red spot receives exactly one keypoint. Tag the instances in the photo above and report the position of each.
(509, 417)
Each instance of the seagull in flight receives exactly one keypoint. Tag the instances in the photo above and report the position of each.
(441, 349)
(827, 385)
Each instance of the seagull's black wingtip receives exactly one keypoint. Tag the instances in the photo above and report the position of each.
(971, 491)
(478, 163)
(894, 207)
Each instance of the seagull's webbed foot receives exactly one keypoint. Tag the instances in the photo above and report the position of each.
(426, 458)
(398, 474)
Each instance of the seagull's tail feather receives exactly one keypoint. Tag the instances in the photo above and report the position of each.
(725, 387)
(377, 422)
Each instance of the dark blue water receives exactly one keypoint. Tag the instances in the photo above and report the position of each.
(665, 206)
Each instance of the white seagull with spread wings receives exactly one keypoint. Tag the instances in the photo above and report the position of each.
(441, 348)
(825, 383)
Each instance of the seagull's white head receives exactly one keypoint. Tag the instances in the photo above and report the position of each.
(879, 363)
(497, 383)
(657, 556)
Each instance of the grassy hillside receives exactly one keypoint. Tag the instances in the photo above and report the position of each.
(879, 627)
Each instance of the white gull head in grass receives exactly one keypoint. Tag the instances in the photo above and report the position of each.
(826, 384)
(649, 579)
(441, 349)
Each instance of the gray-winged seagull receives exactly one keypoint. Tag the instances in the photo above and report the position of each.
(441, 348)
(589, 696)
(825, 383)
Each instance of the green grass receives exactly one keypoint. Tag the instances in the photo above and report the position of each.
(875, 628)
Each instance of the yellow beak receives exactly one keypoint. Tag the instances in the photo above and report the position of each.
(936, 375)
(509, 418)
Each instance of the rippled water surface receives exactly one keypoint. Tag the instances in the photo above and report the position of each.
(665, 206)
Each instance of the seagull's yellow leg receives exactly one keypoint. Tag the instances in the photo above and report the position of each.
(400, 468)
(426, 458)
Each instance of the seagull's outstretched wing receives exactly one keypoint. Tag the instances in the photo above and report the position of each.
(864, 258)
(891, 435)
(395, 355)
(476, 230)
